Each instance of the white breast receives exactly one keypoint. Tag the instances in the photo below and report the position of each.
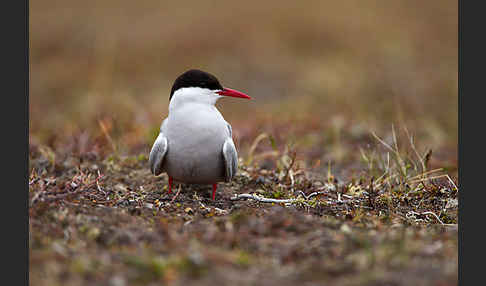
(196, 133)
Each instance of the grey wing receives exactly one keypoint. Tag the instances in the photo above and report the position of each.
(157, 154)
(230, 130)
(230, 159)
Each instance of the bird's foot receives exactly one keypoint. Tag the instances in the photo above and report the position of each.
(170, 185)
(178, 191)
(215, 186)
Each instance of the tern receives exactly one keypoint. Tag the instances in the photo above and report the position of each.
(195, 144)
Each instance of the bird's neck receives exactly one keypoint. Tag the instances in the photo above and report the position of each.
(193, 97)
(194, 114)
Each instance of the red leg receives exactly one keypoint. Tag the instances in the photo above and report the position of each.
(170, 184)
(215, 186)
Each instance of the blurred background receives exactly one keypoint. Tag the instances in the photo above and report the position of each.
(322, 74)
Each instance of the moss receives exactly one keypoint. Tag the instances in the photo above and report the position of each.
(244, 259)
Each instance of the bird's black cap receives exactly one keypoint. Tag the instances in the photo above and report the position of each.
(195, 78)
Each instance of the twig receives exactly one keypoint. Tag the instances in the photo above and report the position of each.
(424, 167)
(178, 191)
(294, 155)
(384, 143)
(253, 147)
(436, 217)
(98, 183)
(34, 198)
(426, 173)
(33, 181)
(261, 199)
(411, 214)
(432, 178)
(372, 194)
(107, 135)
(452, 182)
(310, 195)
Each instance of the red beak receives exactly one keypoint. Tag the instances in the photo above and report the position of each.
(233, 93)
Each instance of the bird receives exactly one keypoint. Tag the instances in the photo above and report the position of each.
(195, 143)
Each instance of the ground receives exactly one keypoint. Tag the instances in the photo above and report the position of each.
(347, 151)
(109, 221)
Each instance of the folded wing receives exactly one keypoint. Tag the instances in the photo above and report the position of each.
(230, 159)
(157, 154)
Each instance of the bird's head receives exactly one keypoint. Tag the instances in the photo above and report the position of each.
(195, 86)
